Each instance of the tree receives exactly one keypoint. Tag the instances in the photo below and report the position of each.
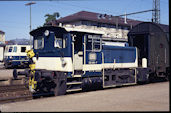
(51, 18)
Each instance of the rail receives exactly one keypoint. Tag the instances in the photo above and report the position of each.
(12, 90)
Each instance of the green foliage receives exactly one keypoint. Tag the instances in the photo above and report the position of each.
(51, 18)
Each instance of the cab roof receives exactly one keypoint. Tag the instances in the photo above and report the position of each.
(41, 30)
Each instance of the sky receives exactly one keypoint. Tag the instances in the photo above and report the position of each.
(15, 15)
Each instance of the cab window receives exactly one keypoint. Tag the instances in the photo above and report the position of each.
(39, 43)
(94, 42)
(60, 42)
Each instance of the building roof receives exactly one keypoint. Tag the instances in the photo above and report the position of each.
(96, 17)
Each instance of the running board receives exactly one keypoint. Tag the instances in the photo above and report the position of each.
(70, 90)
(72, 83)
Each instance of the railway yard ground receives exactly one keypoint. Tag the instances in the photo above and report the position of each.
(6, 73)
(148, 97)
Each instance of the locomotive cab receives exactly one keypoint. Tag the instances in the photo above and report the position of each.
(59, 50)
(52, 49)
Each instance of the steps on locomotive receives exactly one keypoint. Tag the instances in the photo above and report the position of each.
(74, 83)
(71, 90)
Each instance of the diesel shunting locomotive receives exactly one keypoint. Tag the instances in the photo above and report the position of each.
(67, 60)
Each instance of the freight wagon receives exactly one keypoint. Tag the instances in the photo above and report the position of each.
(152, 41)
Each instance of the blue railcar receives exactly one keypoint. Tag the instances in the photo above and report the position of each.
(15, 56)
(68, 61)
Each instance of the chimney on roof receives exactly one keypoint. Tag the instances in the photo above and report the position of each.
(101, 16)
(110, 17)
(104, 16)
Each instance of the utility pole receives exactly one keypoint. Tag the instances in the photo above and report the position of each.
(156, 11)
(29, 4)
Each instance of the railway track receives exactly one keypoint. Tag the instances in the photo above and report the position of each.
(14, 91)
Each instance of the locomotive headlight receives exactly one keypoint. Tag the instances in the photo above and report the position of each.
(46, 33)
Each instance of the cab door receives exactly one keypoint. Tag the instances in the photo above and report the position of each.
(78, 51)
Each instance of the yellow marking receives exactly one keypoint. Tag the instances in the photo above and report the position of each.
(32, 66)
(30, 53)
(32, 82)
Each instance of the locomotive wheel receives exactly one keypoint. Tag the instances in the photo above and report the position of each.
(60, 82)
(36, 95)
(15, 75)
(152, 78)
(148, 79)
(41, 89)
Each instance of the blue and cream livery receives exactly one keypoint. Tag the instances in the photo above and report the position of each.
(72, 60)
(15, 55)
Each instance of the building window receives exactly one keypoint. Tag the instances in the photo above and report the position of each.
(86, 23)
(94, 24)
(111, 26)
